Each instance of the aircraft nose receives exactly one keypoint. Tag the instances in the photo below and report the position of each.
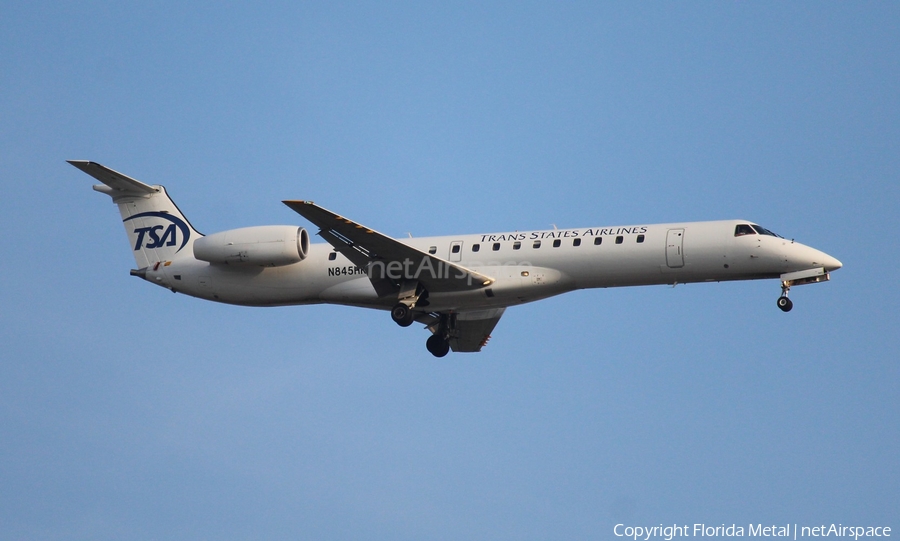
(831, 263)
(826, 261)
(808, 257)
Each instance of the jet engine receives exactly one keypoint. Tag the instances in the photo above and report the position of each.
(265, 246)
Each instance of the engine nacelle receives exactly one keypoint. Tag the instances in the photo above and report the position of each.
(265, 245)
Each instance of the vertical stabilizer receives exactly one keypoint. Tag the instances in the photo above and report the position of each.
(157, 230)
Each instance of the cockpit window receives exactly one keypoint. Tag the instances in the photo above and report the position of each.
(743, 229)
(763, 231)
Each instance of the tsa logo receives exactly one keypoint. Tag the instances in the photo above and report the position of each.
(157, 236)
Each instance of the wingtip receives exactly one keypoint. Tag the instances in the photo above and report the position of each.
(81, 165)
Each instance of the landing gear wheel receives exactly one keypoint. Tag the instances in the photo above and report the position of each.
(402, 315)
(785, 304)
(437, 345)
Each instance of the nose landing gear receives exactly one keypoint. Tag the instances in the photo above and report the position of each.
(799, 278)
(785, 304)
(783, 301)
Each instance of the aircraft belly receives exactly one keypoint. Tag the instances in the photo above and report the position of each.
(442, 302)
(253, 286)
(631, 269)
(355, 291)
(513, 284)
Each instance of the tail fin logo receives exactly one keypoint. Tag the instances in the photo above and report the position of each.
(157, 236)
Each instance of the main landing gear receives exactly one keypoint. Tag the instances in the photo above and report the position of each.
(783, 301)
(412, 295)
(437, 344)
(402, 315)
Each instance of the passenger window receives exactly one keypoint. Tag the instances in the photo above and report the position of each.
(576, 242)
(743, 229)
(476, 247)
(517, 245)
(332, 256)
(556, 243)
(432, 250)
(537, 244)
(455, 249)
(496, 246)
(620, 239)
(598, 241)
(640, 239)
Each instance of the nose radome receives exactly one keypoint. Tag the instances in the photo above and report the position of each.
(831, 263)
(826, 261)
(806, 255)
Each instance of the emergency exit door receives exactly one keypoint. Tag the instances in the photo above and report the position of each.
(456, 250)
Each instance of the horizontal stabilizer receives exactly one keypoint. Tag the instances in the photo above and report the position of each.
(115, 183)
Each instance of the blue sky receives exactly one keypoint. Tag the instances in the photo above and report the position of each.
(127, 412)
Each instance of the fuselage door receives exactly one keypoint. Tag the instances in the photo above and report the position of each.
(456, 250)
(674, 244)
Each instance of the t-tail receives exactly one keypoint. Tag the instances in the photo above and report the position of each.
(157, 231)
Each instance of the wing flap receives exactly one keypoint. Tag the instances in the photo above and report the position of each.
(473, 329)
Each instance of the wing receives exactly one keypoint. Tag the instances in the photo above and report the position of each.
(388, 261)
(473, 329)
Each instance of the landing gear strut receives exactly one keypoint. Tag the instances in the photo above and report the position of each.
(411, 294)
(783, 301)
(438, 344)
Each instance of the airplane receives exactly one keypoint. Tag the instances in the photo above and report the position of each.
(457, 286)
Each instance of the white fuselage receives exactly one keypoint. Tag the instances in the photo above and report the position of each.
(457, 286)
(524, 266)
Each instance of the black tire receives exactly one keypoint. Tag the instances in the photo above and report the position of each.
(437, 346)
(402, 315)
(785, 304)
